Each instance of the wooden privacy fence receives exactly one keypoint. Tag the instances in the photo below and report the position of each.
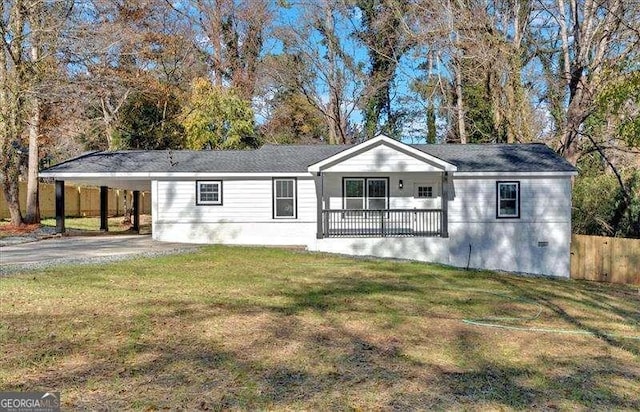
(605, 259)
(78, 201)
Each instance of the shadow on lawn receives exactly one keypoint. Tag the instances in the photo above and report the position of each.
(167, 362)
(340, 294)
(546, 296)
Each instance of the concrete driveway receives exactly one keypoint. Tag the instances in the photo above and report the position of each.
(83, 249)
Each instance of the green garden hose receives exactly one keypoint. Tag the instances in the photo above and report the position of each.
(490, 322)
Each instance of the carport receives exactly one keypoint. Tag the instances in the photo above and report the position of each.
(85, 170)
(134, 186)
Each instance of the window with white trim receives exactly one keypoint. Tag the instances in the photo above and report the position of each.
(424, 192)
(209, 192)
(508, 199)
(366, 193)
(284, 198)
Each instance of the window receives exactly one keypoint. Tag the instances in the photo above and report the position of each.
(361, 193)
(209, 192)
(376, 193)
(354, 194)
(508, 200)
(424, 192)
(284, 198)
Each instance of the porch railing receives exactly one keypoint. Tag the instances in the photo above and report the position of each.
(382, 223)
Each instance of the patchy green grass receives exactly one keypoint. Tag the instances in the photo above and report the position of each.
(83, 224)
(255, 328)
(92, 224)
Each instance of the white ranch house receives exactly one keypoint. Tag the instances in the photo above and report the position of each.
(504, 207)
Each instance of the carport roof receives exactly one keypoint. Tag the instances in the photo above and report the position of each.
(297, 158)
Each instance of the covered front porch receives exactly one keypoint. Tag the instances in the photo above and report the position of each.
(382, 223)
(375, 205)
(382, 188)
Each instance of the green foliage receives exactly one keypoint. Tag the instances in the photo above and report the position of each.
(617, 110)
(431, 124)
(599, 208)
(295, 120)
(478, 113)
(216, 117)
(150, 123)
(382, 35)
(594, 204)
(430, 92)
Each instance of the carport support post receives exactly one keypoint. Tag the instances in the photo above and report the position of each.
(60, 206)
(136, 211)
(104, 208)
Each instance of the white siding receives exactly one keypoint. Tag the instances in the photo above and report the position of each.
(382, 159)
(245, 216)
(417, 248)
(541, 199)
(280, 233)
(537, 242)
(398, 198)
(511, 246)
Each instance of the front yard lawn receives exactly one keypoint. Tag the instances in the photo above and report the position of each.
(257, 328)
(92, 224)
(85, 225)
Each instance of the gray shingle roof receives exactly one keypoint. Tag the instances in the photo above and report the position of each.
(499, 157)
(296, 158)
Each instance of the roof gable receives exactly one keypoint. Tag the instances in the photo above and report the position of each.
(382, 154)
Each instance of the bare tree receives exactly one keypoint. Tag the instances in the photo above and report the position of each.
(13, 75)
(230, 34)
(594, 40)
(380, 31)
(321, 66)
(481, 45)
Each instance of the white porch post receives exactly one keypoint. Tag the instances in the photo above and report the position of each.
(444, 215)
(319, 180)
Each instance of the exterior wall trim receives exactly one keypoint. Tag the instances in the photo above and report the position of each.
(377, 141)
(221, 194)
(509, 174)
(295, 199)
(366, 196)
(155, 175)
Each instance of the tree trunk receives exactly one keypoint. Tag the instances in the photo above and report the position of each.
(33, 187)
(331, 122)
(10, 183)
(462, 130)
(13, 204)
(431, 123)
(333, 109)
(576, 115)
(128, 206)
(10, 111)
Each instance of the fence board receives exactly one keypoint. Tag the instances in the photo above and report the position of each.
(605, 259)
(78, 201)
